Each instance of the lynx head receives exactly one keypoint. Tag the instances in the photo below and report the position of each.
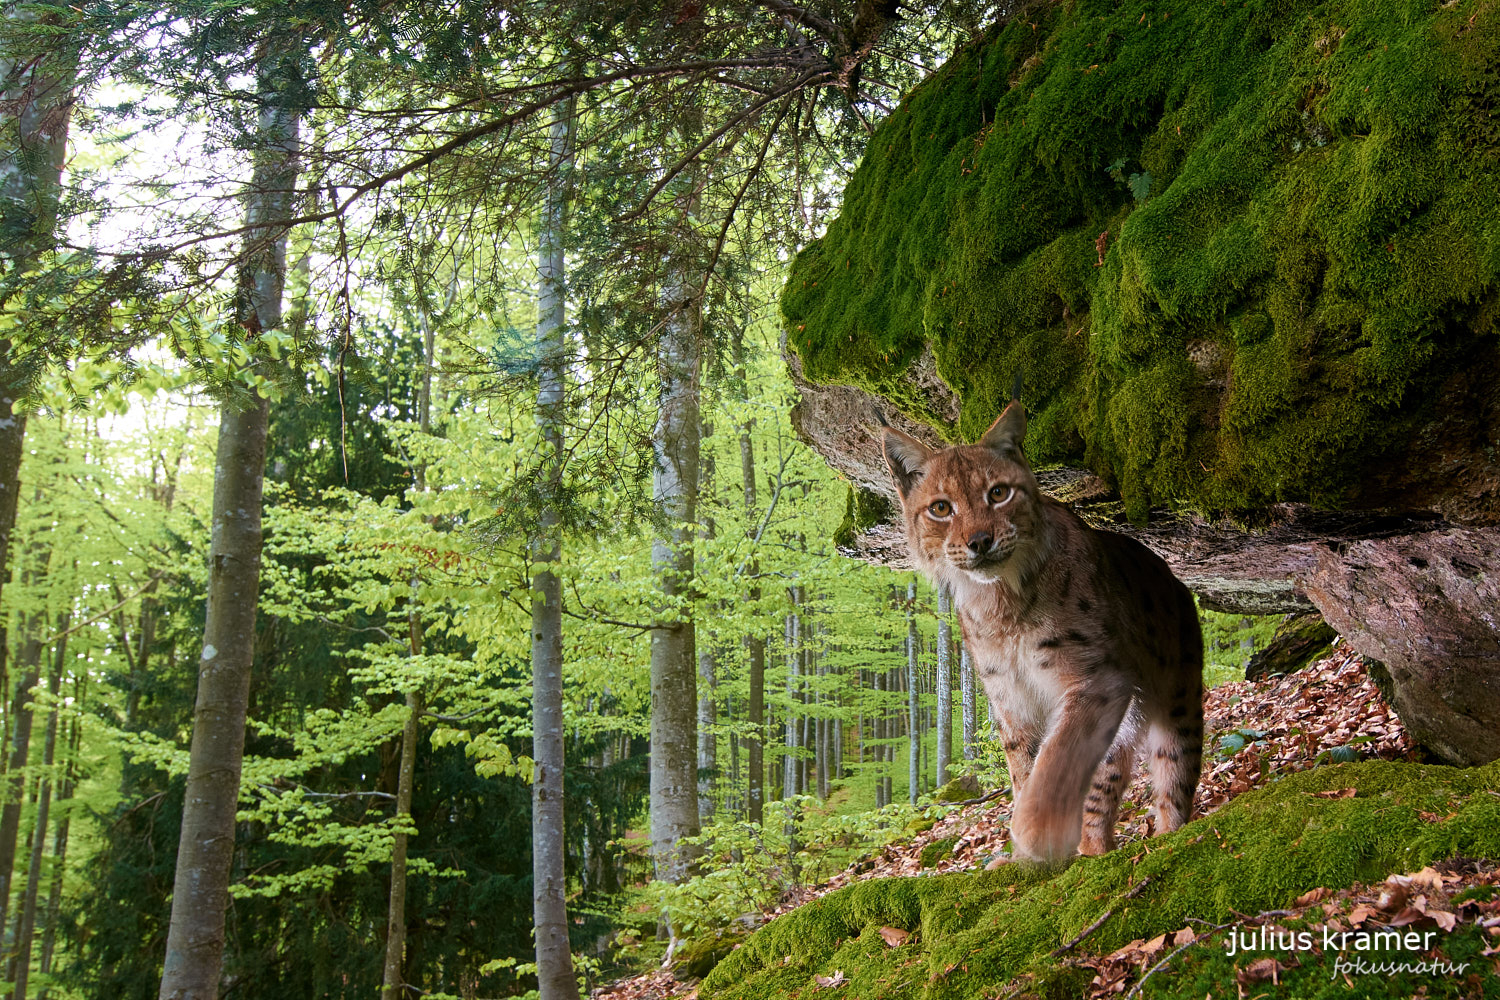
(972, 512)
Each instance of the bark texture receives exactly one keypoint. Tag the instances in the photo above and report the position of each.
(200, 893)
(914, 746)
(755, 644)
(554, 955)
(944, 687)
(395, 923)
(674, 666)
(1428, 607)
(26, 929)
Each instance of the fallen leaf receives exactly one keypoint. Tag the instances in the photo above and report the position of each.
(1339, 793)
(1155, 945)
(1259, 971)
(828, 982)
(1427, 878)
(1360, 914)
(1312, 896)
(1447, 921)
(895, 937)
(1393, 898)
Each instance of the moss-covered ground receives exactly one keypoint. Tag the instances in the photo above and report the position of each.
(987, 934)
(1232, 248)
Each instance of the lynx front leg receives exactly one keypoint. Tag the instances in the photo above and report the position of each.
(1111, 778)
(1048, 821)
(1020, 744)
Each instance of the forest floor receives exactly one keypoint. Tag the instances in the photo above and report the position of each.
(1258, 731)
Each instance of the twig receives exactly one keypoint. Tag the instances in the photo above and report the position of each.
(983, 798)
(1136, 989)
(106, 613)
(1091, 928)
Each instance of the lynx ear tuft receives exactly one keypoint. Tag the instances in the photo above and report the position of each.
(1008, 431)
(906, 456)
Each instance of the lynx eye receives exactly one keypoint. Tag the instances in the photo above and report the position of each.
(1001, 495)
(940, 508)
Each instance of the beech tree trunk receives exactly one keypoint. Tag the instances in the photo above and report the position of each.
(708, 681)
(913, 734)
(60, 844)
(674, 660)
(554, 954)
(27, 924)
(200, 892)
(971, 716)
(791, 763)
(395, 927)
(28, 664)
(944, 687)
(755, 642)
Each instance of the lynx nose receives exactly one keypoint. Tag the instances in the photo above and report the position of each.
(980, 541)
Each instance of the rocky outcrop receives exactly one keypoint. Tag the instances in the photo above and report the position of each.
(1231, 566)
(1216, 299)
(1428, 607)
(1408, 589)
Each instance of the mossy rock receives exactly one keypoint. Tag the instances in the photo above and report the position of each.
(975, 933)
(960, 789)
(937, 851)
(1240, 253)
(1299, 640)
(698, 956)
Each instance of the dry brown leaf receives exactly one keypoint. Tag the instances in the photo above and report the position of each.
(1259, 971)
(1338, 793)
(1392, 898)
(829, 982)
(1407, 917)
(1447, 921)
(1427, 878)
(1360, 914)
(1312, 896)
(1155, 945)
(894, 937)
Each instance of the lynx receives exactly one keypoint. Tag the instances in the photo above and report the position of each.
(1083, 639)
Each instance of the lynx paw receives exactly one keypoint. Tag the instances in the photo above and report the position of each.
(1044, 837)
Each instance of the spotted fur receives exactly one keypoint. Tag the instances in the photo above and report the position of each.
(1085, 642)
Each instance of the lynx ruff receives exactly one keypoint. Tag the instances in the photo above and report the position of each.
(1084, 640)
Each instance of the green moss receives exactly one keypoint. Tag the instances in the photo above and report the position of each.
(973, 932)
(937, 851)
(1302, 238)
(862, 509)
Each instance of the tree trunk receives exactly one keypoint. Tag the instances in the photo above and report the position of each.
(60, 844)
(395, 925)
(27, 926)
(791, 762)
(944, 687)
(35, 108)
(913, 734)
(971, 716)
(200, 893)
(708, 681)
(755, 642)
(674, 661)
(554, 954)
(28, 663)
